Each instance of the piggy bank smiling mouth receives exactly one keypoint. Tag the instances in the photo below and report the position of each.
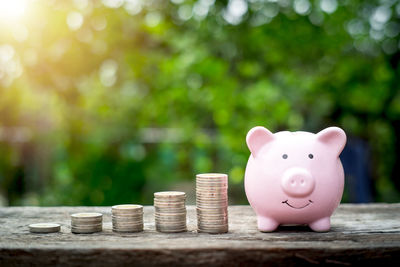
(287, 203)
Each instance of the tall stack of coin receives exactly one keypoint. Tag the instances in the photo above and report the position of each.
(86, 223)
(212, 202)
(127, 218)
(170, 211)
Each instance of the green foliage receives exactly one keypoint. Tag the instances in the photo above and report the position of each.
(141, 97)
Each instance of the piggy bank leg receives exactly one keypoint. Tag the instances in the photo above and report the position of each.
(266, 224)
(321, 225)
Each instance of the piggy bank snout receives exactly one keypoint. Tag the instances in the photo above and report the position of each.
(297, 182)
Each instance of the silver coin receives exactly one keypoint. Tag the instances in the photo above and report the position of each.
(213, 218)
(212, 224)
(127, 207)
(127, 222)
(215, 214)
(213, 201)
(170, 210)
(212, 195)
(83, 223)
(86, 226)
(212, 175)
(211, 186)
(86, 215)
(170, 227)
(213, 231)
(118, 224)
(183, 213)
(44, 227)
(171, 224)
(171, 213)
(211, 207)
(213, 227)
(138, 227)
(219, 192)
(172, 231)
(211, 190)
(127, 216)
(80, 231)
(96, 226)
(131, 216)
(134, 224)
(203, 183)
(127, 230)
(212, 179)
(175, 218)
(168, 203)
(170, 194)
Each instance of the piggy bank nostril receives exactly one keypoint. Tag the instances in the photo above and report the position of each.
(302, 181)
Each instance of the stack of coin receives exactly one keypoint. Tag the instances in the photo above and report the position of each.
(170, 211)
(212, 202)
(44, 227)
(86, 223)
(127, 218)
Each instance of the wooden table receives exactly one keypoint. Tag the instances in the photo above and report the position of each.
(361, 234)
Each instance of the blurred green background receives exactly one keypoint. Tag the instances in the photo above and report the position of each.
(105, 102)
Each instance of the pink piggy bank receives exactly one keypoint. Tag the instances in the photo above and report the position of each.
(294, 177)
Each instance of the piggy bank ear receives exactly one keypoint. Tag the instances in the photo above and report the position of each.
(334, 137)
(257, 137)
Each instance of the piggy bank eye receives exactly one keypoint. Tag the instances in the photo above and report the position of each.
(310, 156)
(284, 156)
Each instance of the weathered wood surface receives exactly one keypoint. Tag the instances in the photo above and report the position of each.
(361, 234)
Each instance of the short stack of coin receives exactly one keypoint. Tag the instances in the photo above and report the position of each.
(127, 218)
(170, 211)
(86, 223)
(212, 202)
(44, 228)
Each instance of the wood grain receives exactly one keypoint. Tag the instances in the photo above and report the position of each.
(360, 235)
